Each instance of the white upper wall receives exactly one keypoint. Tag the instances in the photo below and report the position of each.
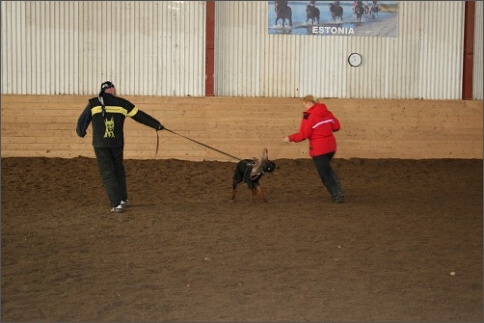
(158, 48)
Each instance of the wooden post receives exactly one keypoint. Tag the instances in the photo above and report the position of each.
(210, 48)
(470, 8)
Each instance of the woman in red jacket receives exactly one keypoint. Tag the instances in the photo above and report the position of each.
(318, 125)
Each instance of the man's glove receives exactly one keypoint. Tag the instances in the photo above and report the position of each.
(160, 127)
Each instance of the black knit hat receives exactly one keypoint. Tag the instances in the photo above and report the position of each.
(106, 85)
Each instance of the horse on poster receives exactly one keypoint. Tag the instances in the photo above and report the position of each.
(336, 11)
(283, 12)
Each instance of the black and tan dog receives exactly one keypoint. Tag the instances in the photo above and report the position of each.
(250, 172)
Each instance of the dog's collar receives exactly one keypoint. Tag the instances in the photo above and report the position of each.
(255, 176)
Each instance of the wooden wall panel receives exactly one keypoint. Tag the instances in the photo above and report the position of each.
(34, 126)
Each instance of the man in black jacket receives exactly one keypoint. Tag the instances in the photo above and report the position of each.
(107, 113)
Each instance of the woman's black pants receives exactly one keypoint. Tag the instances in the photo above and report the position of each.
(327, 174)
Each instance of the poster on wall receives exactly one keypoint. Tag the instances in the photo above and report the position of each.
(334, 18)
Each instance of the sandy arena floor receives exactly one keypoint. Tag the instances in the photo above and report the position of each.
(183, 252)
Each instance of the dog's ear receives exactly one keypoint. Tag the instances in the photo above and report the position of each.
(265, 155)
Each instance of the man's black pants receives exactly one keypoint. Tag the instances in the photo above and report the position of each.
(111, 168)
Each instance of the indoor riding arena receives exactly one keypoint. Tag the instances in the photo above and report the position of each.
(405, 246)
